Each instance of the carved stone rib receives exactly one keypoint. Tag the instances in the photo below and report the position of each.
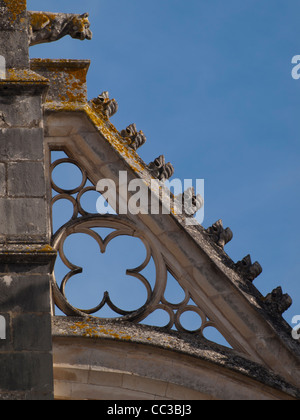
(160, 169)
(247, 269)
(220, 235)
(104, 105)
(137, 139)
(277, 302)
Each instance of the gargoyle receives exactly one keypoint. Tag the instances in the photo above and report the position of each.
(277, 302)
(189, 202)
(137, 139)
(247, 269)
(160, 169)
(48, 27)
(104, 105)
(220, 235)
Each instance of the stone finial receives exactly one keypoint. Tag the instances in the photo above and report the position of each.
(160, 169)
(247, 269)
(220, 235)
(137, 139)
(48, 27)
(189, 202)
(104, 105)
(278, 302)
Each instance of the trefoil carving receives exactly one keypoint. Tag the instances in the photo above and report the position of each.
(90, 224)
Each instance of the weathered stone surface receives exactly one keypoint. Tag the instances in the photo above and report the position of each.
(13, 33)
(148, 354)
(13, 15)
(2, 179)
(67, 79)
(12, 396)
(25, 355)
(35, 332)
(14, 47)
(23, 218)
(14, 144)
(20, 110)
(27, 371)
(23, 180)
(16, 288)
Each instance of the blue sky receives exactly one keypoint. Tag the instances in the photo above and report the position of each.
(209, 82)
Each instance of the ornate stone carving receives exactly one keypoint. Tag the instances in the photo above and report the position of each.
(104, 105)
(278, 302)
(220, 235)
(247, 269)
(160, 169)
(156, 296)
(48, 27)
(189, 202)
(137, 139)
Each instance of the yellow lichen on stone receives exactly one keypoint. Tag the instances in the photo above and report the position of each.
(90, 330)
(67, 79)
(101, 125)
(75, 86)
(126, 337)
(15, 8)
(23, 76)
(46, 248)
(39, 20)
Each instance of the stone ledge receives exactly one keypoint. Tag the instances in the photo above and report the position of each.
(22, 80)
(67, 79)
(214, 354)
(31, 254)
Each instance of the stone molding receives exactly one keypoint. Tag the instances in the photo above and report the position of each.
(137, 349)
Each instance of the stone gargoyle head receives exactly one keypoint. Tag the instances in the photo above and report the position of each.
(49, 27)
(80, 28)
